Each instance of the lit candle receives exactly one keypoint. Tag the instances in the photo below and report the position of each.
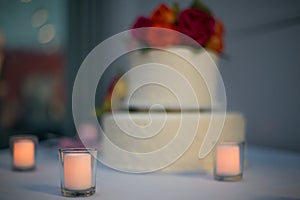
(228, 160)
(23, 151)
(77, 171)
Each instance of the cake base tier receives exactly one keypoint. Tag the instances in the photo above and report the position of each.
(153, 131)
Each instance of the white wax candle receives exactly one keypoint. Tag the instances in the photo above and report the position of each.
(77, 171)
(228, 160)
(23, 153)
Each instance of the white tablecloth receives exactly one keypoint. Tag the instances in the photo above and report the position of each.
(270, 174)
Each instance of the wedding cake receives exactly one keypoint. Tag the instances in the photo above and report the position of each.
(172, 110)
(148, 128)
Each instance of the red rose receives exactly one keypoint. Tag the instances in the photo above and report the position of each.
(197, 24)
(162, 36)
(140, 23)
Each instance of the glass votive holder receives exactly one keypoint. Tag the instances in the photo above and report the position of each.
(23, 150)
(77, 171)
(229, 161)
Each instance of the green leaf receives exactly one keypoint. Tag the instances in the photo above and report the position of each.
(197, 4)
(176, 8)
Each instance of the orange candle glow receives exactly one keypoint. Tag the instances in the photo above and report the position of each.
(23, 153)
(77, 171)
(228, 160)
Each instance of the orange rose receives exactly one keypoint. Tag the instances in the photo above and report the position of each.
(163, 15)
(219, 28)
(215, 43)
(162, 37)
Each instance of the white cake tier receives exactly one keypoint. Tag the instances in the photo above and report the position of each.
(172, 77)
(162, 129)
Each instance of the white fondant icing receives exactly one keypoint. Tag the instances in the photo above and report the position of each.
(183, 70)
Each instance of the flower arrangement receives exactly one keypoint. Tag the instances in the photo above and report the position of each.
(196, 21)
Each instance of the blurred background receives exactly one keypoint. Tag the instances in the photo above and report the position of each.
(43, 42)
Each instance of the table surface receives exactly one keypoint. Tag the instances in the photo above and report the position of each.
(270, 174)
